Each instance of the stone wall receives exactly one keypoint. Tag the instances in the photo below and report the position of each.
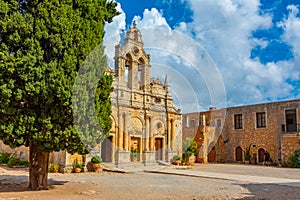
(266, 138)
(20, 152)
(273, 138)
(290, 142)
(190, 124)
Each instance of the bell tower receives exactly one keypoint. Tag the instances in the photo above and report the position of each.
(132, 64)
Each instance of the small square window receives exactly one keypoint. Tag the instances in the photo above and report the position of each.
(238, 121)
(261, 120)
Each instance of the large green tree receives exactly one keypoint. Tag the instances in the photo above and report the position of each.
(43, 44)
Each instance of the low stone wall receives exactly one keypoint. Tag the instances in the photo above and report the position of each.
(290, 142)
(20, 152)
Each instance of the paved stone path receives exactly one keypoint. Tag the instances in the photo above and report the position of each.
(234, 177)
(235, 172)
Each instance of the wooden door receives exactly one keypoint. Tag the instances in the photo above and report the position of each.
(261, 155)
(158, 148)
(212, 156)
(106, 149)
(238, 154)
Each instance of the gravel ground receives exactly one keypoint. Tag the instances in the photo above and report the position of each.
(250, 170)
(147, 186)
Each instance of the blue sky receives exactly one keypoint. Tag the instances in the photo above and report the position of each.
(252, 48)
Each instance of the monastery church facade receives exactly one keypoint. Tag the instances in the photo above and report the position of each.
(144, 119)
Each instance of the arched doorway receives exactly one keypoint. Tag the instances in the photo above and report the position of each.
(106, 149)
(158, 148)
(239, 154)
(212, 156)
(261, 155)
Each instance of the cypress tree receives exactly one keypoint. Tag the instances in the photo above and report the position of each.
(43, 44)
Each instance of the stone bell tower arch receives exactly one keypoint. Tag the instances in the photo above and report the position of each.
(132, 64)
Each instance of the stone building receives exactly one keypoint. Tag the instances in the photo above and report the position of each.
(145, 123)
(143, 116)
(223, 135)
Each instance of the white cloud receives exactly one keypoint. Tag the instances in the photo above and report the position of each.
(270, 79)
(291, 27)
(184, 59)
(226, 26)
(260, 42)
(224, 29)
(151, 19)
(112, 34)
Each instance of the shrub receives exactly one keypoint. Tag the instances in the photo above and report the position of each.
(186, 155)
(190, 148)
(53, 168)
(247, 155)
(193, 147)
(24, 163)
(96, 159)
(13, 162)
(295, 159)
(4, 157)
(187, 143)
(176, 157)
(76, 164)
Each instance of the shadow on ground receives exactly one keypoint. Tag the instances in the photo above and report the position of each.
(270, 191)
(20, 183)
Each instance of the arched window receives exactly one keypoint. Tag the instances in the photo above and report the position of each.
(219, 123)
(141, 64)
(128, 63)
(193, 123)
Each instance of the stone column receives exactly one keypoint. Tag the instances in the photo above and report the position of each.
(115, 141)
(149, 153)
(113, 148)
(165, 151)
(146, 134)
(171, 152)
(125, 132)
(169, 135)
(123, 155)
(151, 143)
(205, 146)
(122, 72)
(120, 134)
(129, 142)
(172, 135)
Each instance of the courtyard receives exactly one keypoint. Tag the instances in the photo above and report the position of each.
(202, 181)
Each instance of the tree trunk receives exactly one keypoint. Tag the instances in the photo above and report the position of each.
(38, 169)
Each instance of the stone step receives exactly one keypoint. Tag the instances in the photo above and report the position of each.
(133, 167)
